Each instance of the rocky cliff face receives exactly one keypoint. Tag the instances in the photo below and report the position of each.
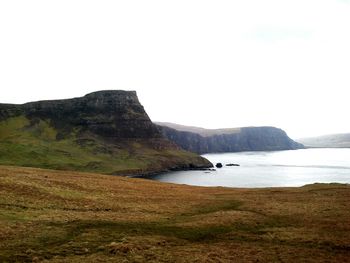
(111, 114)
(106, 131)
(242, 139)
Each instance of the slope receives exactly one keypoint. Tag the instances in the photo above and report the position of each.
(59, 216)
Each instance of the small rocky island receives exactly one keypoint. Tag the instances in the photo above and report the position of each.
(232, 164)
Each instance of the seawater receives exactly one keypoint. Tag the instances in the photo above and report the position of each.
(269, 169)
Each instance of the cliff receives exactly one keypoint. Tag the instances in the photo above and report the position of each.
(229, 140)
(105, 131)
(341, 140)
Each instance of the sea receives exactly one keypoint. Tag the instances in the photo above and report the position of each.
(269, 169)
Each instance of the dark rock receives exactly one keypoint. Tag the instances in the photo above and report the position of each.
(111, 114)
(218, 165)
(232, 164)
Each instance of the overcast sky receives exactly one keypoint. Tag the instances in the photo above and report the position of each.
(204, 63)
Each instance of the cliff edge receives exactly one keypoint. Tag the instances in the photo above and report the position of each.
(202, 141)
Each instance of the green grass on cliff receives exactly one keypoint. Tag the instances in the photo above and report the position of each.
(34, 145)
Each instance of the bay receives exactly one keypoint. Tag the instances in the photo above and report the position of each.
(269, 169)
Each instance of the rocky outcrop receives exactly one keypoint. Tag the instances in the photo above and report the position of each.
(105, 131)
(242, 139)
(111, 114)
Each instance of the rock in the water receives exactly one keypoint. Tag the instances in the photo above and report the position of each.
(232, 164)
(218, 165)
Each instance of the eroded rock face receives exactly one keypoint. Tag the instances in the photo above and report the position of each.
(111, 114)
(247, 139)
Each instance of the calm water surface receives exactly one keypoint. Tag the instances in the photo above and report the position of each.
(269, 169)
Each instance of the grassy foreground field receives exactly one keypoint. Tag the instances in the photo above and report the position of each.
(60, 216)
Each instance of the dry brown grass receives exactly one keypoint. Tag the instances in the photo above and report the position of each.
(57, 216)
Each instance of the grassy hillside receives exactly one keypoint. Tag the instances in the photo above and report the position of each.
(58, 216)
(35, 144)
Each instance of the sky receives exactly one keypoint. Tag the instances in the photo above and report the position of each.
(212, 64)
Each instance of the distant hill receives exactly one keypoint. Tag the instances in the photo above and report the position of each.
(201, 131)
(200, 140)
(104, 132)
(341, 140)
